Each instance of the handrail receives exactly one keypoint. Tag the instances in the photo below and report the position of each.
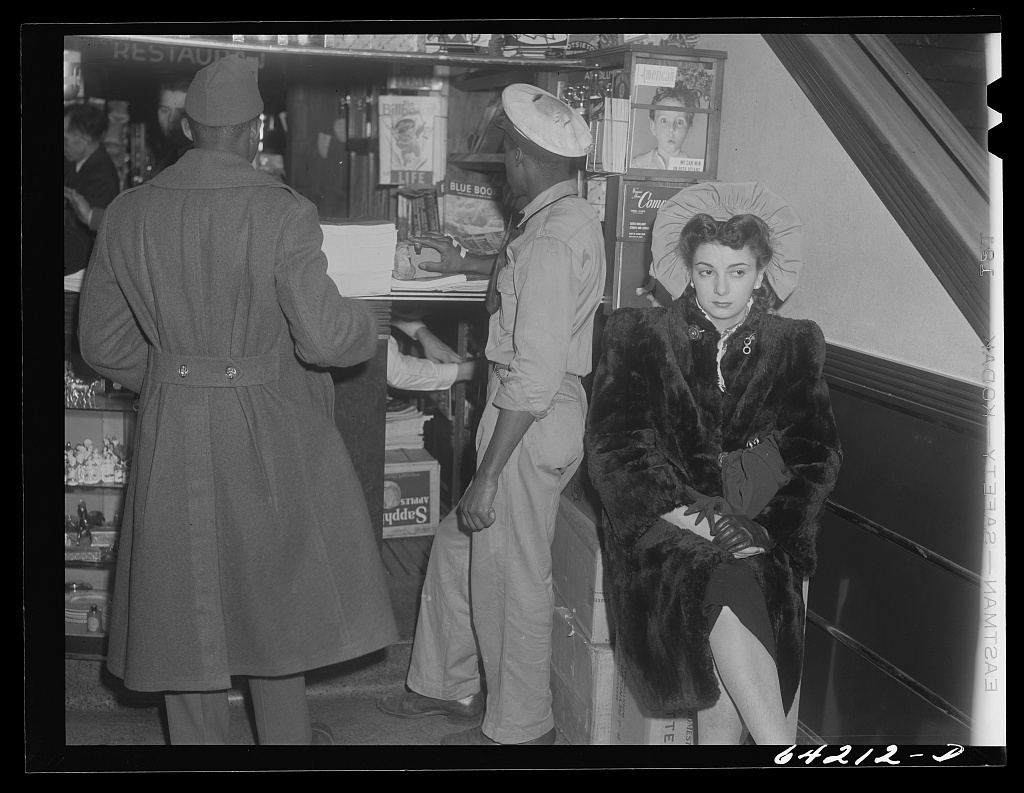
(889, 669)
(973, 159)
(866, 524)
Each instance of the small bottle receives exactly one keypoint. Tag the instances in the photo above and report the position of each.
(92, 622)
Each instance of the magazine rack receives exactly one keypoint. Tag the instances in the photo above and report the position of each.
(673, 105)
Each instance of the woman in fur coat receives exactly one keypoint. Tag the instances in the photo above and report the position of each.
(712, 442)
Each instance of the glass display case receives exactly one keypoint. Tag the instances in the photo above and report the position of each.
(672, 99)
(99, 422)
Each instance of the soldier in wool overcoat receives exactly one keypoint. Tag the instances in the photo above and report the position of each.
(246, 544)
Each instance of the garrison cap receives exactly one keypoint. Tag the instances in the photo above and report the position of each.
(542, 123)
(224, 93)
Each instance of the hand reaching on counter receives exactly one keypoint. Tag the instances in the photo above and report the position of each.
(452, 261)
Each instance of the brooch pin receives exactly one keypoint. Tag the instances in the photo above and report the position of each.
(694, 332)
(746, 344)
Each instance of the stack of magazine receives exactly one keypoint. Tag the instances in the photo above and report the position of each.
(428, 281)
(403, 428)
(360, 255)
(610, 130)
(434, 282)
(417, 212)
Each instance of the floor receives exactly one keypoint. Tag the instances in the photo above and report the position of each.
(100, 713)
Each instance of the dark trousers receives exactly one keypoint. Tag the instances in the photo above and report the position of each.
(279, 705)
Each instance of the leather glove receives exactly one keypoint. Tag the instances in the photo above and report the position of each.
(734, 533)
(705, 507)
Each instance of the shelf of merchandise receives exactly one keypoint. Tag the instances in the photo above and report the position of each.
(384, 56)
(474, 79)
(107, 415)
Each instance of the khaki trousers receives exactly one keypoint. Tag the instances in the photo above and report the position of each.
(504, 571)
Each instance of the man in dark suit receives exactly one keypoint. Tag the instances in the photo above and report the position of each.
(90, 181)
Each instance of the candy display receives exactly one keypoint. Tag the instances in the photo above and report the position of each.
(85, 540)
(86, 464)
(79, 393)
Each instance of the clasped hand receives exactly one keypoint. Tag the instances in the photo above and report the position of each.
(735, 533)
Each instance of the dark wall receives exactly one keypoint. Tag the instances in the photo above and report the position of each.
(899, 555)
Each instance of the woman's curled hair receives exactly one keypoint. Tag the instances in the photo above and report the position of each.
(737, 232)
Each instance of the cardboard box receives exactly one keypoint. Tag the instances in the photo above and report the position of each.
(577, 572)
(412, 499)
(592, 696)
(634, 725)
(582, 683)
(583, 495)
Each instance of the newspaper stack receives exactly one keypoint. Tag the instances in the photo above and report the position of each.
(360, 255)
(610, 133)
(403, 428)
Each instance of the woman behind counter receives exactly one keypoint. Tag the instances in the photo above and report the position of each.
(712, 441)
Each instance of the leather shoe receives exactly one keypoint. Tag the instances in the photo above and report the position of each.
(476, 737)
(410, 705)
(322, 735)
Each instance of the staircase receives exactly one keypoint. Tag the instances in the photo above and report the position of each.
(924, 165)
(953, 66)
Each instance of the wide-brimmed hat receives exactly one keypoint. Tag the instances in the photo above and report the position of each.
(544, 125)
(722, 200)
(224, 93)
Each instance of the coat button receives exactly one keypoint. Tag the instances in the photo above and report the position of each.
(183, 370)
(694, 332)
(231, 371)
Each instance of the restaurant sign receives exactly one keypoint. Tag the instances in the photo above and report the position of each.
(159, 54)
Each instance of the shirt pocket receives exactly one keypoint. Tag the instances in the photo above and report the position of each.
(506, 283)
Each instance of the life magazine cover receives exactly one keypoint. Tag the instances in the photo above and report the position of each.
(407, 139)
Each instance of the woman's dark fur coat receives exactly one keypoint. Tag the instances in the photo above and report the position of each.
(657, 423)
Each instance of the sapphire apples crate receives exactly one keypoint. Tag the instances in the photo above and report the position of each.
(411, 493)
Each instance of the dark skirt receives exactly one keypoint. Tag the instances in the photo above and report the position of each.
(733, 584)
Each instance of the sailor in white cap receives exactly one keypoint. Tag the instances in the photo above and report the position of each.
(246, 544)
(529, 445)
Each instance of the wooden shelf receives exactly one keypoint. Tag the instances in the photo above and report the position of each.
(385, 56)
(106, 404)
(82, 564)
(98, 486)
(86, 646)
(478, 162)
(453, 296)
